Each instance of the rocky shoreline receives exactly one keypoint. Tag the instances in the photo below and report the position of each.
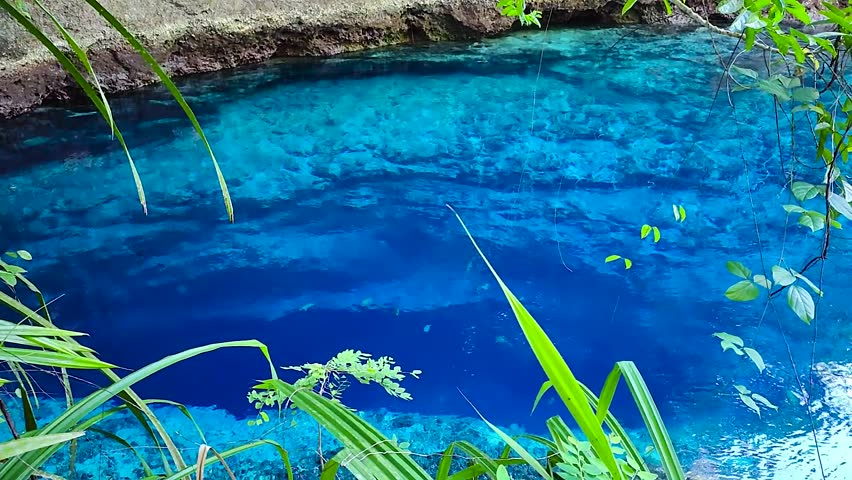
(190, 36)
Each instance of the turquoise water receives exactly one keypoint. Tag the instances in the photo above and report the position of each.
(340, 171)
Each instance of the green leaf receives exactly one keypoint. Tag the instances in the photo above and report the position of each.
(750, 404)
(813, 220)
(840, 204)
(742, 390)
(760, 398)
(755, 358)
(805, 94)
(727, 7)
(682, 212)
(729, 338)
(50, 359)
(763, 281)
(503, 473)
(782, 276)
(12, 254)
(809, 282)
(793, 209)
(627, 6)
(612, 258)
(738, 269)
(747, 72)
(8, 278)
(743, 291)
(656, 234)
(547, 385)
(628, 264)
(646, 476)
(646, 229)
(25, 255)
(801, 302)
(16, 448)
(728, 345)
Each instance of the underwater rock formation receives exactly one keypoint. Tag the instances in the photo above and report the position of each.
(189, 36)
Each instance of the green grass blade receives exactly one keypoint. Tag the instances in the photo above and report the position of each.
(616, 428)
(384, 459)
(170, 85)
(477, 456)
(653, 420)
(21, 446)
(19, 468)
(124, 443)
(23, 330)
(188, 471)
(90, 92)
(30, 423)
(554, 366)
(51, 359)
(84, 60)
(547, 385)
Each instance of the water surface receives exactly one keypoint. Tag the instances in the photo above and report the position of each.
(340, 171)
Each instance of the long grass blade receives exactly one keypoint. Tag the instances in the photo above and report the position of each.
(21, 446)
(170, 85)
(475, 455)
(230, 453)
(20, 467)
(616, 428)
(124, 443)
(51, 359)
(81, 80)
(554, 366)
(371, 448)
(653, 420)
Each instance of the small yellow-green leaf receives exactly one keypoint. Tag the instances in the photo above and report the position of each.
(646, 229)
(755, 358)
(612, 258)
(656, 234)
(730, 338)
(763, 281)
(750, 403)
(628, 263)
(25, 255)
(743, 291)
(738, 269)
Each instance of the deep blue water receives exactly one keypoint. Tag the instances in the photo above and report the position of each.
(340, 170)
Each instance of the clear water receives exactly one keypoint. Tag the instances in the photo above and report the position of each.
(340, 171)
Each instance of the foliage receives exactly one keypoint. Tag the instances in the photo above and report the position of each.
(331, 379)
(518, 9)
(19, 10)
(35, 341)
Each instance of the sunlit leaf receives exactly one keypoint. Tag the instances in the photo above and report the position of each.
(801, 302)
(760, 398)
(782, 276)
(756, 358)
(750, 403)
(840, 204)
(738, 269)
(763, 281)
(656, 234)
(741, 389)
(730, 338)
(612, 258)
(743, 291)
(25, 255)
(727, 7)
(646, 229)
(809, 282)
(628, 264)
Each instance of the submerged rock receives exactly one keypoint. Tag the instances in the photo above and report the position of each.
(189, 36)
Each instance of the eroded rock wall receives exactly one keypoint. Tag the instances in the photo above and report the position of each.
(189, 36)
